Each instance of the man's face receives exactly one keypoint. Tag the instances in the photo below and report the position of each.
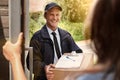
(53, 17)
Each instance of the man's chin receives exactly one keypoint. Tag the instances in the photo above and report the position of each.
(55, 26)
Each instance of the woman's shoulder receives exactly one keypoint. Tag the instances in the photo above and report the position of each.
(95, 76)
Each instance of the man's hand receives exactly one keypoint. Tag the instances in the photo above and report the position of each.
(49, 73)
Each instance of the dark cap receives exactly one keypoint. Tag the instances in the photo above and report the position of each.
(51, 5)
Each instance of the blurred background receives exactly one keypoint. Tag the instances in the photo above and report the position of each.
(73, 16)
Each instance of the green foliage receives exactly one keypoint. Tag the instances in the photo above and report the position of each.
(75, 29)
(36, 22)
(74, 10)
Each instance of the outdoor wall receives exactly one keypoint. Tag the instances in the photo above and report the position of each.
(4, 34)
(4, 17)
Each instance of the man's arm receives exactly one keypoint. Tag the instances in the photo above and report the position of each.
(38, 64)
(73, 45)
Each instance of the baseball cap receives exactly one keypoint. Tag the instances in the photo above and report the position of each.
(51, 5)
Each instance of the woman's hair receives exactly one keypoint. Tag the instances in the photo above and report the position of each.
(105, 32)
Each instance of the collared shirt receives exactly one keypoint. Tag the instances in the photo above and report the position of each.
(58, 39)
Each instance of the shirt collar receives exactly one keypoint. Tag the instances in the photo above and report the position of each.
(50, 31)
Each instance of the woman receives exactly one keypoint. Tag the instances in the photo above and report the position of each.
(105, 35)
